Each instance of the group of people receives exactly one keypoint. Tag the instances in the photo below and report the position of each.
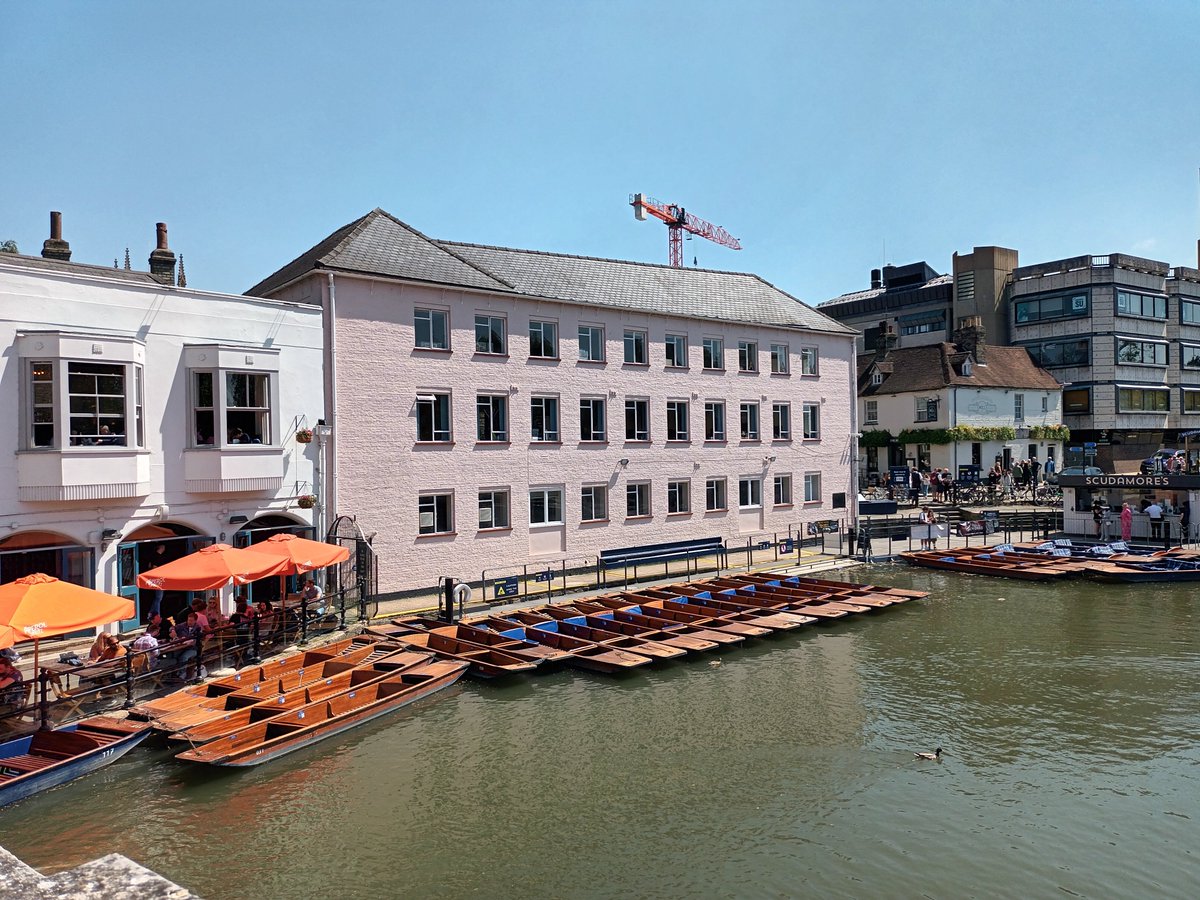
(930, 529)
(1156, 512)
(1023, 474)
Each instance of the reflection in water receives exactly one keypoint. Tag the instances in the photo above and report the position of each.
(1067, 712)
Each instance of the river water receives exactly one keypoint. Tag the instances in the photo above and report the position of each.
(1069, 717)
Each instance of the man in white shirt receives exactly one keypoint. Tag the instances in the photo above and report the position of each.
(1154, 513)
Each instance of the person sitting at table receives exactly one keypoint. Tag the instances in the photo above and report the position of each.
(242, 613)
(199, 607)
(191, 632)
(212, 611)
(312, 596)
(97, 648)
(146, 646)
(105, 648)
(12, 682)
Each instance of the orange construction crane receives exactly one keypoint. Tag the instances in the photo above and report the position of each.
(678, 221)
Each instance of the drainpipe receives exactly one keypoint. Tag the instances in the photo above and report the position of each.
(852, 500)
(954, 424)
(331, 484)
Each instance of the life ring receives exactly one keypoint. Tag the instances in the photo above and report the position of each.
(462, 594)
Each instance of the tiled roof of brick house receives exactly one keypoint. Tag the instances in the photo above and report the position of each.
(937, 366)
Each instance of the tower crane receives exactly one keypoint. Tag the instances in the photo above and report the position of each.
(679, 220)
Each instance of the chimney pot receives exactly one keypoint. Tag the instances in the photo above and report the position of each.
(161, 227)
(162, 260)
(55, 247)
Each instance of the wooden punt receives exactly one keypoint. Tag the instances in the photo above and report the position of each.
(45, 759)
(1131, 573)
(583, 654)
(902, 594)
(606, 621)
(269, 672)
(704, 620)
(729, 605)
(877, 598)
(351, 678)
(577, 626)
(741, 623)
(299, 728)
(468, 631)
(823, 608)
(637, 616)
(484, 661)
(1024, 570)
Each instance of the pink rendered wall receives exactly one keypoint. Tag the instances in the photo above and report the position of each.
(381, 470)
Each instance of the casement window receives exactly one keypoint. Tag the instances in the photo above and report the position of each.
(749, 493)
(679, 497)
(637, 420)
(1136, 400)
(714, 495)
(812, 421)
(747, 356)
(1189, 357)
(637, 500)
(781, 421)
(1142, 306)
(714, 354)
(635, 347)
(494, 510)
(591, 343)
(1189, 312)
(1141, 353)
(433, 418)
(490, 335)
(546, 506)
(1054, 354)
(876, 379)
(228, 403)
(491, 417)
(1056, 306)
(543, 414)
(99, 403)
(1018, 407)
(543, 340)
(812, 487)
(432, 327)
(714, 420)
(749, 417)
(592, 419)
(1191, 401)
(676, 351)
(436, 513)
(809, 361)
(677, 420)
(871, 414)
(783, 490)
(781, 362)
(593, 503)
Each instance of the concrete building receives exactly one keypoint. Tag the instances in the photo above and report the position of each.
(144, 414)
(495, 408)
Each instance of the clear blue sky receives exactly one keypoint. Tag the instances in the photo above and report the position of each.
(818, 133)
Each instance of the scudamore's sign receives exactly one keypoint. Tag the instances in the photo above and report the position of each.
(1149, 482)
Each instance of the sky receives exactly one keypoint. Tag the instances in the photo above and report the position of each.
(829, 137)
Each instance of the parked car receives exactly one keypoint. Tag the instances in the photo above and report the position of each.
(1160, 461)
(1074, 470)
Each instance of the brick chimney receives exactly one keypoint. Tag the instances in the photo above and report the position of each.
(56, 247)
(970, 338)
(886, 342)
(162, 259)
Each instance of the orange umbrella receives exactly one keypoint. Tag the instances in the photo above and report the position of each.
(210, 568)
(8, 637)
(301, 554)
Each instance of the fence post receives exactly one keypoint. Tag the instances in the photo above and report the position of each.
(199, 641)
(129, 680)
(43, 704)
(525, 582)
(342, 611)
(255, 646)
(303, 619)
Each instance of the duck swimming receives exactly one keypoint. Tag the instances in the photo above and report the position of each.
(935, 755)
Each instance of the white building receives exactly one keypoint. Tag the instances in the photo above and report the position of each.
(143, 414)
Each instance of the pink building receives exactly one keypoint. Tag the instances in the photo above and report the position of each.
(493, 408)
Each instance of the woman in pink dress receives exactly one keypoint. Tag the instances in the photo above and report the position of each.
(1126, 522)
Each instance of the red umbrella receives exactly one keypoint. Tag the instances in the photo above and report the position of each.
(211, 568)
(301, 554)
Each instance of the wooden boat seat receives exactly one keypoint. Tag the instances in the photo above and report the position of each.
(26, 762)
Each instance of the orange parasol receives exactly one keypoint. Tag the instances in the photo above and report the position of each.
(210, 568)
(301, 554)
(8, 637)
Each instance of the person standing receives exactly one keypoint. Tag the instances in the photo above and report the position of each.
(1049, 470)
(1154, 512)
(1126, 522)
(1099, 508)
(159, 558)
(914, 486)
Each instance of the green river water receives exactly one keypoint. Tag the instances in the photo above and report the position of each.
(1069, 715)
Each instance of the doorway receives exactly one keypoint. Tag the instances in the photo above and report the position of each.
(148, 548)
(258, 530)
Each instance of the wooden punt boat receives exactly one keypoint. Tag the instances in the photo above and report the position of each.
(268, 671)
(864, 595)
(1167, 570)
(299, 728)
(483, 660)
(1024, 570)
(46, 759)
(331, 677)
(901, 594)
(577, 626)
(727, 606)
(669, 606)
(583, 654)
(821, 608)
(338, 682)
(606, 621)
(636, 615)
(468, 631)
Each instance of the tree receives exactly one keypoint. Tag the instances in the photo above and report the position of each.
(9, 247)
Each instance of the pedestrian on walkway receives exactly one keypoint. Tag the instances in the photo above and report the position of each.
(1154, 513)
(1126, 522)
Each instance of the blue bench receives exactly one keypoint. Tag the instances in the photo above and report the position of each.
(660, 553)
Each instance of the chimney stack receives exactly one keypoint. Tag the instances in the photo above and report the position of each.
(56, 247)
(970, 338)
(886, 342)
(162, 260)
(876, 279)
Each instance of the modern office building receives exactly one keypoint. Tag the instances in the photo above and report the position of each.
(496, 411)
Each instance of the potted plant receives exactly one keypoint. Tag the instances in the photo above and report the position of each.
(308, 501)
(304, 436)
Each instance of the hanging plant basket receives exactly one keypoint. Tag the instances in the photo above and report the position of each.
(304, 436)
(308, 501)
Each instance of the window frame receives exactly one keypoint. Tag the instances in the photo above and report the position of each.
(870, 412)
(1066, 300)
(546, 493)
(595, 341)
(220, 361)
(599, 436)
(1039, 352)
(713, 351)
(748, 357)
(637, 406)
(1129, 299)
(1184, 348)
(489, 322)
(435, 496)
(750, 494)
(637, 339)
(679, 490)
(675, 350)
(589, 493)
(1143, 391)
(811, 421)
(546, 403)
(811, 479)
(781, 489)
(781, 363)
(540, 325)
(491, 494)
(491, 398)
(678, 422)
(430, 400)
(637, 500)
(1189, 311)
(750, 420)
(716, 491)
(1184, 394)
(1018, 407)
(781, 421)
(1081, 389)
(433, 311)
(810, 361)
(714, 409)
(1142, 344)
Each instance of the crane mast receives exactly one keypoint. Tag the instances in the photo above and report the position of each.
(679, 220)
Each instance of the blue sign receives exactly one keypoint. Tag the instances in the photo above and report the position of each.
(899, 476)
(785, 546)
(544, 576)
(505, 587)
(763, 545)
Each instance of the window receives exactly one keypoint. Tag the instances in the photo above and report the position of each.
(1189, 356)
(103, 404)
(808, 361)
(1141, 353)
(1191, 402)
(923, 323)
(1076, 352)
(783, 490)
(749, 422)
(433, 418)
(248, 407)
(546, 506)
(591, 419)
(1077, 401)
(677, 420)
(432, 329)
(637, 500)
(714, 495)
(436, 513)
(1189, 312)
(543, 413)
(493, 510)
(41, 394)
(781, 363)
(747, 356)
(228, 406)
(1134, 400)
(543, 340)
(781, 421)
(1057, 306)
(749, 493)
(812, 421)
(1045, 406)
(635, 347)
(637, 420)
(871, 415)
(489, 335)
(876, 378)
(491, 416)
(1142, 306)
(591, 343)
(1018, 407)
(676, 350)
(926, 409)
(714, 354)
(679, 497)
(714, 420)
(593, 503)
(812, 487)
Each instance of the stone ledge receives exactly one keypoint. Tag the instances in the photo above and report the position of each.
(108, 877)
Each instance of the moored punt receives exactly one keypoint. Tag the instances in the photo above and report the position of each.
(577, 626)
(901, 594)
(822, 606)
(877, 598)
(314, 722)
(583, 654)
(709, 617)
(729, 607)
(1166, 570)
(46, 759)
(469, 631)
(646, 601)
(637, 616)
(1021, 569)
(484, 661)
(606, 621)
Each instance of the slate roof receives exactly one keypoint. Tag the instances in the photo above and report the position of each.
(876, 292)
(937, 366)
(380, 244)
(57, 265)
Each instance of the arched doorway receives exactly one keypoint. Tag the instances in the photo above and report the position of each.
(259, 529)
(147, 548)
(47, 552)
